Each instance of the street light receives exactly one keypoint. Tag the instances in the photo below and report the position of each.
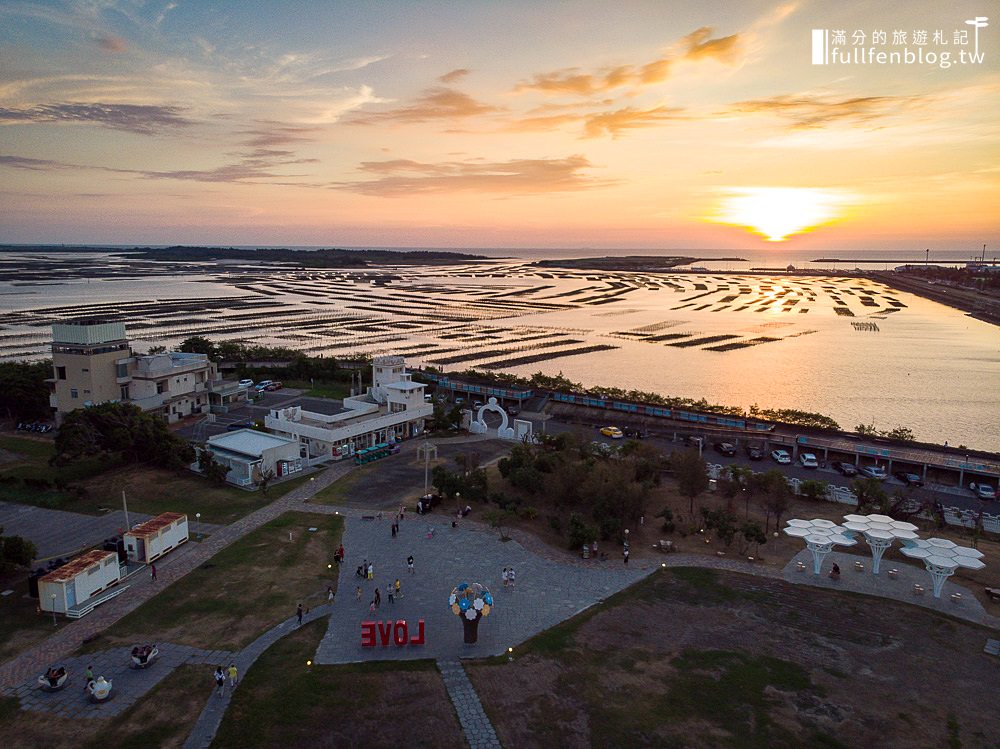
(626, 538)
(197, 517)
(54, 610)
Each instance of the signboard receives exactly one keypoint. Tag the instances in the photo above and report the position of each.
(397, 632)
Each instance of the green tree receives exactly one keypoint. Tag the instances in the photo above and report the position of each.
(754, 534)
(813, 489)
(869, 493)
(580, 532)
(199, 345)
(24, 393)
(15, 552)
(265, 478)
(690, 472)
(500, 520)
(212, 469)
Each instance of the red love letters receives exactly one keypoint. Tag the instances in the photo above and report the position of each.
(398, 632)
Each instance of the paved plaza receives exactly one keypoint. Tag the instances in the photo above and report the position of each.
(60, 533)
(545, 593)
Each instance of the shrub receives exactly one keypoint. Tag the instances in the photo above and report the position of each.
(580, 532)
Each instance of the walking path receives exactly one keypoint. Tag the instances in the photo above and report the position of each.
(478, 730)
(211, 716)
(172, 567)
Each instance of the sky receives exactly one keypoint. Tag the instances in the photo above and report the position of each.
(629, 125)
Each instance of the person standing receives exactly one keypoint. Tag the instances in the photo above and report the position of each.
(152, 572)
(625, 556)
(504, 576)
(392, 592)
(298, 613)
(393, 528)
(88, 677)
(510, 577)
(357, 592)
(409, 563)
(378, 598)
(233, 674)
(330, 593)
(371, 571)
(399, 592)
(220, 680)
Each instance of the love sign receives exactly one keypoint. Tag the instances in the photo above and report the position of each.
(398, 632)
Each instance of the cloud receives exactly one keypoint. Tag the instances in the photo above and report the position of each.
(163, 13)
(614, 123)
(277, 134)
(35, 165)
(112, 43)
(434, 104)
(807, 112)
(454, 75)
(402, 177)
(135, 118)
(698, 45)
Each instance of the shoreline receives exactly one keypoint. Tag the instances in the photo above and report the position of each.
(983, 308)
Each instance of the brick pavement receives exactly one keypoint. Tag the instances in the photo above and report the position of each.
(173, 567)
(475, 723)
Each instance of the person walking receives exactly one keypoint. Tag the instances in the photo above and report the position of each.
(510, 577)
(357, 592)
(298, 613)
(409, 563)
(625, 556)
(399, 592)
(152, 572)
(504, 576)
(393, 528)
(233, 674)
(378, 598)
(330, 594)
(220, 680)
(88, 677)
(371, 571)
(392, 592)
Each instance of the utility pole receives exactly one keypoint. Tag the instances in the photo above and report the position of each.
(128, 527)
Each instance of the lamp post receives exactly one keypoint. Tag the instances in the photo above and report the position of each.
(626, 538)
(54, 610)
(197, 517)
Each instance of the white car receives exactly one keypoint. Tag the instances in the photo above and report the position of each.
(983, 491)
(874, 472)
(246, 383)
(262, 385)
(781, 456)
(808, 460)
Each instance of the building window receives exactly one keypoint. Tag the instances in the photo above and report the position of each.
(73, 393)
(85, 369)
(60, 373)
(124, 392)
(121, 370)
(161, 387)
(86, 392)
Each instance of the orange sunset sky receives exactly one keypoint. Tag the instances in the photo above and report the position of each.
(630, 125)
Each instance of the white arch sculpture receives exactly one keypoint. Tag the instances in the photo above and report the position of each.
(478, 426)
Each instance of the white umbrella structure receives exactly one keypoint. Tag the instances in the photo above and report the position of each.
(820, 537)
(942, 557)
(880, 531)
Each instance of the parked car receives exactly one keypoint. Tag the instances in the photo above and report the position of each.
(613, 432)
(633, 434)
(724, 448)
(808, 460)
(263, 385)
(237, 425)
(754, 450)
(874, 472)
(910, 479)
(983, 491)
(781, 456)
(246, 383)
(847, 469)
(276, 385)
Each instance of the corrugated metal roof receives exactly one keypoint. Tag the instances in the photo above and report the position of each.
(78, 565)
(153, 526)
(248, 442)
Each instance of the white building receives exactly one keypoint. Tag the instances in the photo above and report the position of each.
(69, 586)
(151, 540)
(249, 453)
(393, 409)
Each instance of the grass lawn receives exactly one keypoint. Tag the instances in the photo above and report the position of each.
(282, 702)
(337, 492)
(242, 591)
(699, 659)
(161, 719)
(321, 388)
(149, 490)
(21, 625)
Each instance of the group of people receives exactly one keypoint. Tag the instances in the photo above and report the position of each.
(338, 555)
(54, 675)
(394, 590)
(508, 576)
(220, 677)
(142, 652)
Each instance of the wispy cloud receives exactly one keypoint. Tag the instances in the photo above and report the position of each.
(806, 111)
(596, 124)
(698, 45)
(401, 177)
(34, 165)
(134, 118)
(437, 103)
(112, 43)
(454, 75)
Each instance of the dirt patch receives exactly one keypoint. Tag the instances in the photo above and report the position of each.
(723, 659)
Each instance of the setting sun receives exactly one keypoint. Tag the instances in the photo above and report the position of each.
(778, 212)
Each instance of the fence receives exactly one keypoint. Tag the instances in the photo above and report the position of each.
(843, 495)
